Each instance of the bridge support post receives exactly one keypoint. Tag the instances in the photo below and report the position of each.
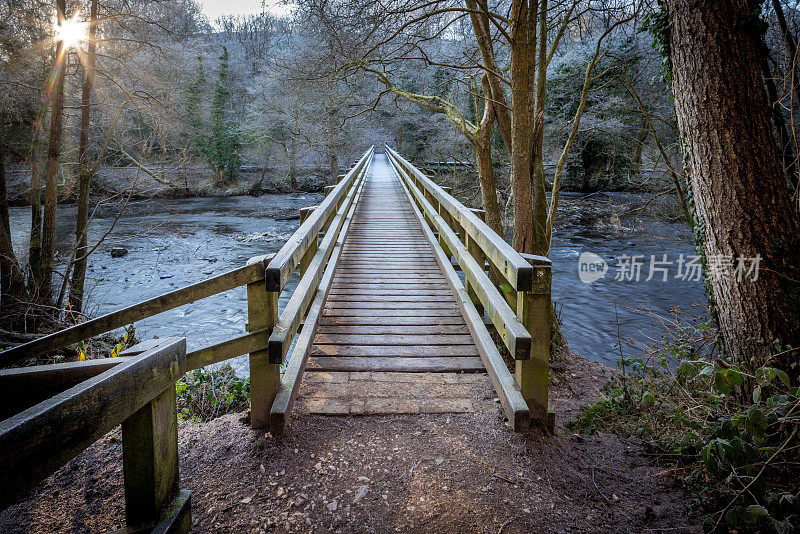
(262, 313)
(533, 374)
(150, 461)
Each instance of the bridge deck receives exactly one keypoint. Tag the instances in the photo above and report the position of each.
(390, 308)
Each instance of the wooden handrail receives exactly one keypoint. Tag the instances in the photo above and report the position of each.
(517, 271)
(138, 393)
(136, 312)
(514, 335)
(289, 256)
(286, 327)
(296, 363)
(521, 314)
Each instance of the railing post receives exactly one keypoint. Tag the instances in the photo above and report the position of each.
(533, 374)
(262, 313)
(150, 462)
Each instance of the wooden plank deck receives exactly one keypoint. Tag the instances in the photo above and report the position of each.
(390, 307)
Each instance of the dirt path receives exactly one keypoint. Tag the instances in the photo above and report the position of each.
(383, 473)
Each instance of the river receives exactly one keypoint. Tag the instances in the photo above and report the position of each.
(176, 242)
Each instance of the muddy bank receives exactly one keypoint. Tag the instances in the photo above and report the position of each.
(389, 473)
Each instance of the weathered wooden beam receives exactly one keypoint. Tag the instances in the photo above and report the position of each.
(150, 459)
(305, 212)
(289, 256)
(534, 309)
(513, 266)
(511, 399)
(286, 327)
(24, 387)
(136, 312)
(225, 350)
(39, 440)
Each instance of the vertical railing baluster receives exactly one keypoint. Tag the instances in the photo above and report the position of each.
(262, 313)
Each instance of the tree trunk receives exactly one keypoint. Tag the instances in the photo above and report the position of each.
(637, 150)
(333, 161)
(483, 155)
(53, 165)
(482, 144)
(35, 242)
(78, 280)
(12, 285)
(293, 163)
(743, 206)
(523, 36)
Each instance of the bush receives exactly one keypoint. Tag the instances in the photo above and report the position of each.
(204, 394)
(733, 435)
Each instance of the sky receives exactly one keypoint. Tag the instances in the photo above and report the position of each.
(216, 8)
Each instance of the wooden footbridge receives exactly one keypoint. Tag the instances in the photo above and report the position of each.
(395, 275)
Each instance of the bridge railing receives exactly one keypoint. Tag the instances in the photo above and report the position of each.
(138, 393)
(39, 402)
(314, 250)
(512, 289)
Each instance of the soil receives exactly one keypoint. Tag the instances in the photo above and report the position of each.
(386, 473)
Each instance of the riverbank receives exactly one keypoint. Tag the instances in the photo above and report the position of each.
(167, 182)
(386, 473)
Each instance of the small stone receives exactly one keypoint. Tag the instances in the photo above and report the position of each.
(332, 506)
(280, 492)
(362, 490)
(526, 510)
(118, 252)
(262, 468)
(246, 500)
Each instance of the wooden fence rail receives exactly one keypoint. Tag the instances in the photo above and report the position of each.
(138, 393)
(515, 293)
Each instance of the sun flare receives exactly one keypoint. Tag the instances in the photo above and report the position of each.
(71, 32)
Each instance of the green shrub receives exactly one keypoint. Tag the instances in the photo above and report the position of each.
(204, 394)
(733, 435)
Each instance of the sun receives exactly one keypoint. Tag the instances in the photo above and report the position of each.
(71, 32)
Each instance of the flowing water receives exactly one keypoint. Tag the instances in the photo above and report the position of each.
(175, 242)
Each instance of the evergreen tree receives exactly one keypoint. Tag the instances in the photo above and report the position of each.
(198, 136)
(225, 142)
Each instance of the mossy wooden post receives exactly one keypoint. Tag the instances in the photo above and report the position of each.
(150, 459)
(262, 313)
(533, 374)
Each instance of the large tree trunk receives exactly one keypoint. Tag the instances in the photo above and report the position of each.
(78, 280)
(523, 49)
(12, 286)
(53, 165)
(736, 175)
